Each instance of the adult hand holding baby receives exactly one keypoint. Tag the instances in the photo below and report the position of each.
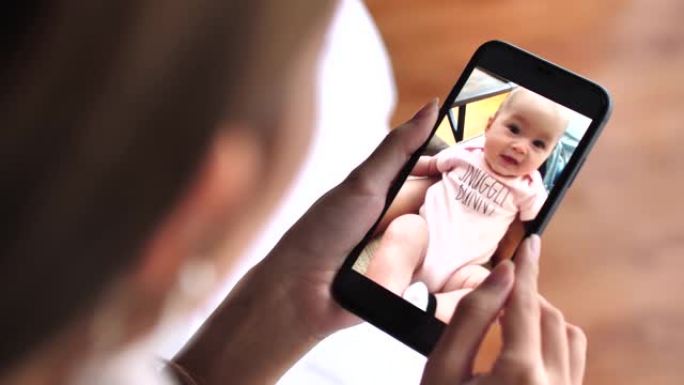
(539, 346)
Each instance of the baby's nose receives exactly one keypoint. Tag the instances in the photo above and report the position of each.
(519, 148)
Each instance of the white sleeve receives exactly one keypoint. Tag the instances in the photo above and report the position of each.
(448, 158)
(531, 203)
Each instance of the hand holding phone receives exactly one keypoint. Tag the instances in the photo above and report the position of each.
(511, 137)
(538, 347)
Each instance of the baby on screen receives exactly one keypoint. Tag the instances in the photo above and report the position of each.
(483, 188)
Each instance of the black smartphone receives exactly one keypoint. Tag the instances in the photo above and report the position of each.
(509, 140)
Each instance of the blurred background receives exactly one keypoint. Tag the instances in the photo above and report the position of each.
(614, 253)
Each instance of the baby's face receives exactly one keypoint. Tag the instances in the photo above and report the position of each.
(522, 134)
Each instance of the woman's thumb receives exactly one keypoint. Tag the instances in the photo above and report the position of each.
(383, 165)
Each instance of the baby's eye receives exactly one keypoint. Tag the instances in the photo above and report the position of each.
(513, 128)
(540, 144)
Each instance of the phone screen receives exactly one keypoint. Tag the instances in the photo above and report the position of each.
(486, 173)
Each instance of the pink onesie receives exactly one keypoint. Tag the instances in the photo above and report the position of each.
(470, 210)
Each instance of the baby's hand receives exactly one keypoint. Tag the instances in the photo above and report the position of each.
(426, 166)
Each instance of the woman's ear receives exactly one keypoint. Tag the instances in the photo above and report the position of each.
(225, 181)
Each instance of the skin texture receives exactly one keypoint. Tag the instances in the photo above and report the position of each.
(539, 346)
(522, 134)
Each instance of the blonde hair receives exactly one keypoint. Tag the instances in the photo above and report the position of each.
(558, 110)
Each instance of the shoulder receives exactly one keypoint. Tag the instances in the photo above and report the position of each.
(532, 186)
(474, 148)
(468, 149)
(537, 182)
(452, 152)
(456, 155)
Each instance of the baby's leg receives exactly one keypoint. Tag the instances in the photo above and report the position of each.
(462, 282)
(447, 302)
(468, 276)
(401, 249)
(408, 200)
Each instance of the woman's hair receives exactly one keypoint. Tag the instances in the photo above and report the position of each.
(106, 109)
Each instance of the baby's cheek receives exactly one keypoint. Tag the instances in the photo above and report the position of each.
(531, 165)
(537, 158)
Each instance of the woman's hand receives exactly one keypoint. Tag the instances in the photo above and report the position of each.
(305, 261)
(283, 306)
(539, 346)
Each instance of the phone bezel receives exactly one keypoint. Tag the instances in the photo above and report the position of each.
(391, 313)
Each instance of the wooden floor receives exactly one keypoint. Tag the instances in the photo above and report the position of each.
(614, 253)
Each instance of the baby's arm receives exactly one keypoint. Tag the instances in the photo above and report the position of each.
(426, 166)
(443, 162)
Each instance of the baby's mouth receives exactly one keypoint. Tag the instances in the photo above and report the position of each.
(509, 160)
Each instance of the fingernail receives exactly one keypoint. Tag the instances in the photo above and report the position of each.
(534, 246)
(426, 109)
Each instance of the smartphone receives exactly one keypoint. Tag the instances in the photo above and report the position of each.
(510, 138)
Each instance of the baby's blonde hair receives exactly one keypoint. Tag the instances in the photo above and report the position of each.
(559, 112)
